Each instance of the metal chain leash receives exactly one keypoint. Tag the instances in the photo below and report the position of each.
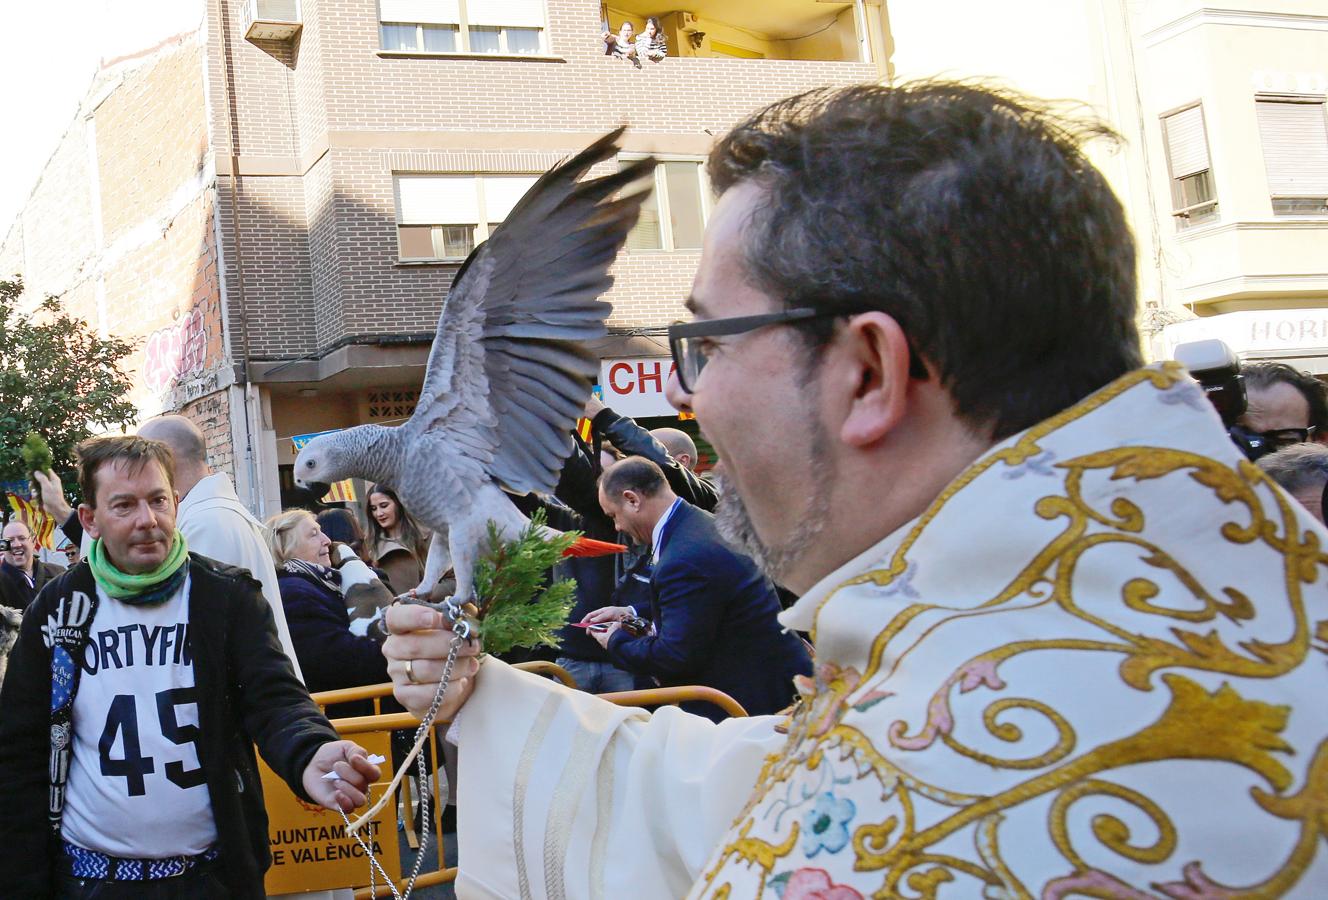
(461, 631)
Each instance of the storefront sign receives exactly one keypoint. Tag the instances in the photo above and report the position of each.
(310, 848)
(635, 386)
(1255, 332)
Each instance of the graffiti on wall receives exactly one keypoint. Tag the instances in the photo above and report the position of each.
(176, 353)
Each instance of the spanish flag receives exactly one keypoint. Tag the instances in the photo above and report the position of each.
(39, 523)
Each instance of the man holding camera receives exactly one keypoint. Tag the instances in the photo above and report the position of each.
(22, 575)
(1284, 406)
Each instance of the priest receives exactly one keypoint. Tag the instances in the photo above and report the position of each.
(1068, 641)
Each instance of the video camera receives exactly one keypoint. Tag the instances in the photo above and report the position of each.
(1217, 369)
(4, 545)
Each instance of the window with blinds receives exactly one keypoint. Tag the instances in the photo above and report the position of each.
(1193, 194)
(673, 217)
(1294, 134)
(499, 27)
(444, 217)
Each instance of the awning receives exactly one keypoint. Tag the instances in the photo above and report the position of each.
(1298, 337)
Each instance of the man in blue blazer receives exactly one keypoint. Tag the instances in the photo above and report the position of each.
(713, 612)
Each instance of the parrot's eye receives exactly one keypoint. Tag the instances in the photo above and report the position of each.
(308, 463)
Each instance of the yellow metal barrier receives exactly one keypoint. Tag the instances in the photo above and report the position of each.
(376, 692)
(310, 848)
(549, 670)
(672, 696)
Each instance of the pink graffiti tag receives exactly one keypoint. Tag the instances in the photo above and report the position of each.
(176, 352)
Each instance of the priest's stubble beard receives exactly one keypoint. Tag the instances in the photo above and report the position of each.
(734, 523)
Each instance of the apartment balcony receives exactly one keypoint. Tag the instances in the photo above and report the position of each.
(1231, 266)
(761, 29)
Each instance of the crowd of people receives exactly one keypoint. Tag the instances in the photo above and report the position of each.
(989, 613)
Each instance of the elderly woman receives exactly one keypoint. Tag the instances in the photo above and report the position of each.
(316, 596)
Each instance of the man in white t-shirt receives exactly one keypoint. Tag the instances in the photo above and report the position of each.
(134, 698)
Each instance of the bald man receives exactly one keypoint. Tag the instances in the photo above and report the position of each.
(212, 519)
(679, 444)
(669, 448)
(21, 575)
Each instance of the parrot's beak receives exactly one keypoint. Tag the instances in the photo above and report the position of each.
(318, 488)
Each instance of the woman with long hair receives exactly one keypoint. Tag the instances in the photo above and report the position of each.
(651, 43)
(396, 540)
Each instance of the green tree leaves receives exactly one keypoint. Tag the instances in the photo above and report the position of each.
(58, 379)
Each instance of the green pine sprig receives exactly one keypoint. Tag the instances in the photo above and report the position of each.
(37, 457)
(36, 453)
(517, 608)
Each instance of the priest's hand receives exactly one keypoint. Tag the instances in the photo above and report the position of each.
(355, 773)
(416, 652)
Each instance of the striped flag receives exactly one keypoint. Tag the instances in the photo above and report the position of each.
(342, 492)
(583, 429)
(39, 523)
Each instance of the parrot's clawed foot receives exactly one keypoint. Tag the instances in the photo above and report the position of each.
(461, 614)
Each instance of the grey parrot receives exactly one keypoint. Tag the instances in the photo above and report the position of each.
(509, 371)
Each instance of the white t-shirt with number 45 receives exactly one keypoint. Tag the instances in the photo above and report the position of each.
(135, 786)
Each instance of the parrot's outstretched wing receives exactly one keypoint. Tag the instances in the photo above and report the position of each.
(509, 372)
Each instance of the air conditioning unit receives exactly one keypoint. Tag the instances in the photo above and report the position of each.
(686, 21)
(271, 20)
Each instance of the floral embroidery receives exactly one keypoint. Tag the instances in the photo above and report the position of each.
(811, 884)
(901, 585)
(825, 825)
(1187, 392)
(826, 697)
(1092, 628)
(1039, 464)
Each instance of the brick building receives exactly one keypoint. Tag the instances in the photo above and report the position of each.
(274, 201)
(272, 196)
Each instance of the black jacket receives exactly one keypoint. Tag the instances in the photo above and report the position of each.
(330, 656)
(14, 590)
(247, 693)
(576, 508)
(714, 615)
(633, 440)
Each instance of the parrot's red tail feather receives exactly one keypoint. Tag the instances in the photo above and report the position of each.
(590, 547)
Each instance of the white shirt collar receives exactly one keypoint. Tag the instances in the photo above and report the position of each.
(659, 528)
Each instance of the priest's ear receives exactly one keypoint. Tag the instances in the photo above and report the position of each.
(874, 366)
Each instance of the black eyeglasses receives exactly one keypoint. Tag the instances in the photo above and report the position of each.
(1285, 437)
(685, 341)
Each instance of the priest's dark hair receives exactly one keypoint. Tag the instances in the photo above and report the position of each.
(636, 474)
(970, 215)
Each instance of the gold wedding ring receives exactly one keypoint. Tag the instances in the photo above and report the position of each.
(410, 672)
